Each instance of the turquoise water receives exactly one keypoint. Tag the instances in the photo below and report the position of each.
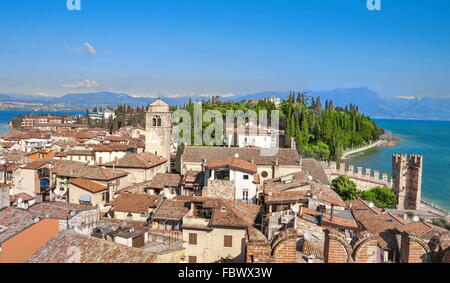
(428, 138)
(6, 116)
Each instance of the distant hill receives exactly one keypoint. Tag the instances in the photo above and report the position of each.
(368, 101)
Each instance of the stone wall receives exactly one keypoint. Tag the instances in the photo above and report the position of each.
(220, 189)
(364, 178)
(407, 180)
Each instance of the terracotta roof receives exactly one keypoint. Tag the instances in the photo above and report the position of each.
(70, 247)
(349, 222)
(236, 214)
(15, 221)
(374, 220)
(227, 213)
(117, 139)
(57, 210)
(198, 154)
(287, 182)
(113, 147)
(141, 160)
(331, 200)
(164, 180)
(90, 186)
(74, 169)
(80, 152)
(233, 163)
(36, 164)
(171, 210)
(23, 196)
(315, 169)
(421, 229)
(137, 203)
(291, 196)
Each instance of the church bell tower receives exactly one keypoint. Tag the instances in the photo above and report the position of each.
(158, 124)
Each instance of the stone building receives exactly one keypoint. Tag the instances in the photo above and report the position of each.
(407, 180)
(158, 123)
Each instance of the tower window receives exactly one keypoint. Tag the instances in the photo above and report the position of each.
(156, 121)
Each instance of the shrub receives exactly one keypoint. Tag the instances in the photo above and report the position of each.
(380, 197)
(345, 188)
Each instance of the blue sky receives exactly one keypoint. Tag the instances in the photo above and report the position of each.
(197, 47)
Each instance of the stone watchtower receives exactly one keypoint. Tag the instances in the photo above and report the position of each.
(407, 180)
(158, 124)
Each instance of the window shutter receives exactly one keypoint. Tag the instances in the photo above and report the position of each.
(192, 239)
(228, 241)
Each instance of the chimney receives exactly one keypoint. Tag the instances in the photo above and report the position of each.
(293, 143)
(4, 196)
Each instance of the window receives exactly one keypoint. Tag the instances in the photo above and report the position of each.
(192, 259)
(156, 121)
(245, 194)
(222, 174)
(228, 241)
(192, 239)
(245, 177)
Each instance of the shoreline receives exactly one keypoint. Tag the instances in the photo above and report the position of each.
(347, 154)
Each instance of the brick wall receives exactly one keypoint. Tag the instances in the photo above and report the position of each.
(282, 249)
(336, 249)
(284, 246)
(366, 250)
(258, 252)
(413, 250)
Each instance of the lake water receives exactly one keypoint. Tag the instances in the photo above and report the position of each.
(428, 138)
(6, 116)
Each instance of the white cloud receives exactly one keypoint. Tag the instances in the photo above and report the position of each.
(90, 48)
(87, 47)
(406, 97)
(82, 84)
(221, 95)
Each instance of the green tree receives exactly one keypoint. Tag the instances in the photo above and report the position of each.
(380, 197)
(345, 188)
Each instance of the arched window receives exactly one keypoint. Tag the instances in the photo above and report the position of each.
(156, 121)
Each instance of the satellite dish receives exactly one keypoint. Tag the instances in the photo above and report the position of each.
(416, 219)
(168, 195)
(19, 201)
(236, 155)
(371, 205)
(295, 208)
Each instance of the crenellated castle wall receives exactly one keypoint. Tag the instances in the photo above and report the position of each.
(365, 178)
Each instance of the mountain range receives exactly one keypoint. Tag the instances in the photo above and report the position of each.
(368, 101)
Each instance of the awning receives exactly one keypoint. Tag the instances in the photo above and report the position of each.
(85, 198)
